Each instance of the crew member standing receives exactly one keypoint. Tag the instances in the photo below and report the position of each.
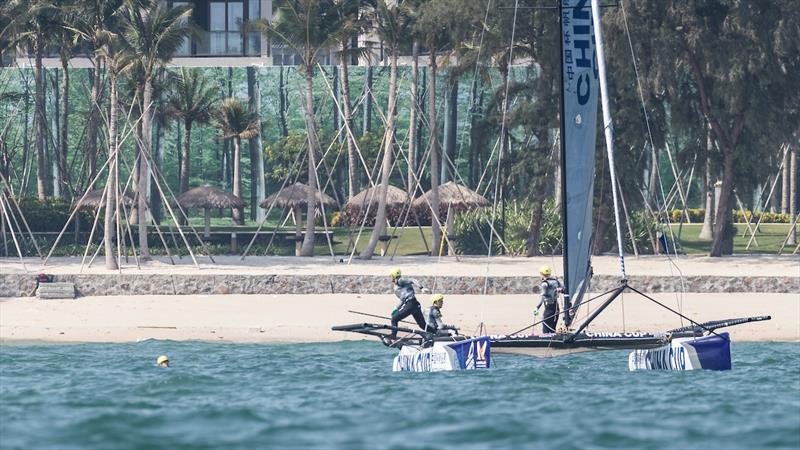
(550, 288)
(433, 317)
(404, 290)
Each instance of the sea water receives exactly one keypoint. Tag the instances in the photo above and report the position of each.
(344, 395)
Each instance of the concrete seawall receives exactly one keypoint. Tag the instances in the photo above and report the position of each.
(20, 285)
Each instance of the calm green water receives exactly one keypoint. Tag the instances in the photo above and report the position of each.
(344, 395)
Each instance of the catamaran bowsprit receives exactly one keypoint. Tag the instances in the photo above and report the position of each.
(583, 75)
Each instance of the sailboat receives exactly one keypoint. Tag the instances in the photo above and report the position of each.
(698, 346)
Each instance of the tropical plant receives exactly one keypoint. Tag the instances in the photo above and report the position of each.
(192, 100)
(307, 27)
(392, 24)
(153, 32)
(237, 122)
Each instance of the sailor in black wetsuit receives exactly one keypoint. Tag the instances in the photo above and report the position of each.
(404, 290)
(549, 298)
(433, 317)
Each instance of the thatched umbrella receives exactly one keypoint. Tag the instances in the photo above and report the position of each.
(94, 200)
(354, 209)
(295, 196)
(453, 198)
(208, 197)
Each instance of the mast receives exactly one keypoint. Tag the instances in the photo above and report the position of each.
(562, 162)
(608, 125)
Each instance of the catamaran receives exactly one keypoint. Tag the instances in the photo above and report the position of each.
(583, 75)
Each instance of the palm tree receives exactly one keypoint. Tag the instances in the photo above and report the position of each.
(352, 24)
(32, 29)
(153, 32)
(237, 122)
(431, 31)
(193, 101)
(308, 27)
(93, 19)
(392, 24)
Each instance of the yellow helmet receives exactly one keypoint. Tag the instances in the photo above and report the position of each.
(395, 272)
(162, 359)
(546, 271)
(437, 298)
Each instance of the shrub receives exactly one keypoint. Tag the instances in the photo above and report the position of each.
(49, 215)
(473, 231)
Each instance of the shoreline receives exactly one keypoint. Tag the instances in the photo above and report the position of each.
(308, 318)
(466, 275)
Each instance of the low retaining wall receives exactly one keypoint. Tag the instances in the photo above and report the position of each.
(19, 285)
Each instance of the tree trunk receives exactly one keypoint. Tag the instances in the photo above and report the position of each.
(186, 155)
(64, 139)
(54, 142)
(723, 228)
(348, 118)
(238, 214)
(386, 170)
(41, 125)
(412, 126)
(109, 228)
(155, 195)
(785, 184)
(283, 104)
(144, 164)
(368, 99)
(792, 195)
(707, 232)
(308, 240)
(258, 189)
(535, 230)
(93, 121)
(450, 128)
(436, 232)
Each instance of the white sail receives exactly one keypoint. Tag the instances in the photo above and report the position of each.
(580, 91)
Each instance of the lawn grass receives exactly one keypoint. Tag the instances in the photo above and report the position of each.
(410, 240)
(770, 236)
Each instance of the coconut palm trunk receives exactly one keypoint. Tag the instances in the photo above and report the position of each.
(185, 157)
(386, 169)
(238, 216)
(348, 119)
(433, 142)
(91, 126)
(412, 126)
(792, 195)
(41, 124)
(111, 185)
(308, 240)
(64, 139)
(144, 164)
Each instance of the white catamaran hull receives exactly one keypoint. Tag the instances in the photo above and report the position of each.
(711, 352)
(468, 354)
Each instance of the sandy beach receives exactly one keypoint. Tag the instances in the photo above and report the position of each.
(308, 318)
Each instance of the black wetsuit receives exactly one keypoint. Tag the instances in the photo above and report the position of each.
(408, 306)
(550, 288)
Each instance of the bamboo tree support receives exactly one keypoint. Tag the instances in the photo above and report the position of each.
(154, 172)
(21, 215)
(94, 227)
(75, 211)
(785, 149)
(158, 229)
(747, 224)
(446, 159)
(13, 236)
(792, 227)
(261, 223)
(628, 220)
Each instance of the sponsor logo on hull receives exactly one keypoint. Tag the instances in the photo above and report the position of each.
(469, 354)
